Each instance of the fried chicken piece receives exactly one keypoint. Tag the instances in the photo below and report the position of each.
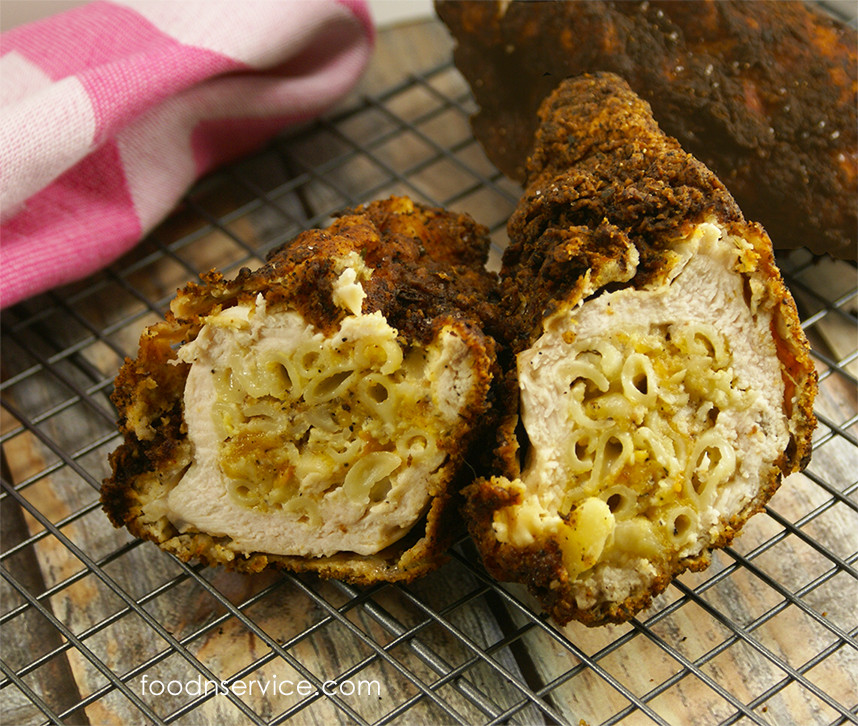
(664, 385)
(764, 93)
(315, 414)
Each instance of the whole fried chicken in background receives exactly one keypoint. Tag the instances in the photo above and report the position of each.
(317, 413)
(664, 385)
(764, 93)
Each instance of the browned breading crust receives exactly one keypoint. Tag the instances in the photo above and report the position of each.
(764, 93)
(603, 180)
(428, 271)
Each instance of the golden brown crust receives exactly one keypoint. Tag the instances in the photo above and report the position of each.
(763, 93)
(604, 183)
(427, 273)
(603, 178)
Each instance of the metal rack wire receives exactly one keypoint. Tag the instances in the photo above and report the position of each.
(92, 620)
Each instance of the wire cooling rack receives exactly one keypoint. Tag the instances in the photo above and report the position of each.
(99, 628)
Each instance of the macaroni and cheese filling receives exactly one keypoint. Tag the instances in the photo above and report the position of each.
(311, 444)
(647, 423)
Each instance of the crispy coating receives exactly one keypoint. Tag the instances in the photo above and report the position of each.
(607, 187)
(602, 178)
(764, 93)
(428, 272)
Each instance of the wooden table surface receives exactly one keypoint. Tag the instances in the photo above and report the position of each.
(91, 619)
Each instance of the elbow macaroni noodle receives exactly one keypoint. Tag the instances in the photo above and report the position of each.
(641, 454)
(296, 423)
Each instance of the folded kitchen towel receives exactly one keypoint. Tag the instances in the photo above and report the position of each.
(110, 111)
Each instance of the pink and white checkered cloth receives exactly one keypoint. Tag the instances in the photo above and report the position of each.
(110, 111)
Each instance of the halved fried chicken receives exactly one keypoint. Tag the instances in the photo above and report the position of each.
(315, 414)
(664, 383)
